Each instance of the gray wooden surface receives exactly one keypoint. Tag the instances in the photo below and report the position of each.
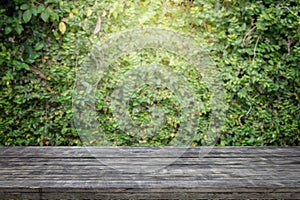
(149, 172)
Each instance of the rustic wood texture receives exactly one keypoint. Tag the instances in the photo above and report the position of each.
(140, 173)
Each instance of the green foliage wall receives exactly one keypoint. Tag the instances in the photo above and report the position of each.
(35, 94)
(255, 45)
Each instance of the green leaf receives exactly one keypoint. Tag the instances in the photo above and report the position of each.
(54, 16)
(34, 10)
(49, 11)
(19, 29)
(39, 46)
(40, 8)
(8, 29)
(25, 66)
(20, 65)
(24, 7)
(27, 16)
(45, 16)
(32, 57)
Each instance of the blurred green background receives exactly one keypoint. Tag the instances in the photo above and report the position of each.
(254, 44)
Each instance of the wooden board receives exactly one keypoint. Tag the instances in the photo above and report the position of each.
(149, 172)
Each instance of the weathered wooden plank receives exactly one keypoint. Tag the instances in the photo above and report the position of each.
(136, 163)
(153, 194)
(113, 152)
(224, 172)
(163, 185)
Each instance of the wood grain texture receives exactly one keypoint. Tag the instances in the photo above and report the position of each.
(149, 172)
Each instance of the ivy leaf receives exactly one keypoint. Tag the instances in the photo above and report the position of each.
(20, 65)
(27, 16)
(62, 27)
(19, 29)
(54, 16)
(39, 46)
(45, 16)
(40, 8)
(34, 10)
(24, 7)
(8, 29)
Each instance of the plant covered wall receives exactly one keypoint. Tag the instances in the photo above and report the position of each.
(254, 44)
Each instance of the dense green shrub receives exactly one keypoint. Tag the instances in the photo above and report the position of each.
(36, 85)
(255, 45)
